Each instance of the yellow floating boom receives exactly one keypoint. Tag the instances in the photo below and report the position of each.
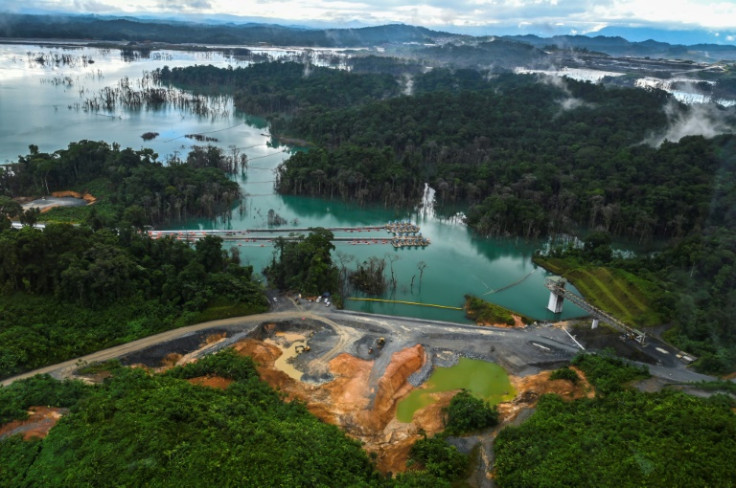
(402, 302)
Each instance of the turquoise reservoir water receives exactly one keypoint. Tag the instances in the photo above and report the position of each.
(41, 104)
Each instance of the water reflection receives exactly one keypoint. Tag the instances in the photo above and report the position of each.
(457, 262)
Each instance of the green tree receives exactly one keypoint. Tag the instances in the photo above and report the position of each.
(305, 264)
(467, 413)
(439, 458)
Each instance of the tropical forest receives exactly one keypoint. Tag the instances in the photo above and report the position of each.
(316, 257)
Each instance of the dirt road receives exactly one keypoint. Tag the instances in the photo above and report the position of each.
(63, 370)
(520, 351)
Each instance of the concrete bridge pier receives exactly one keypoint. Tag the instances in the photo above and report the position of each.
(556, 296)
(595, 324)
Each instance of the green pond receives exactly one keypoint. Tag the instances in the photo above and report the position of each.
(485, 380)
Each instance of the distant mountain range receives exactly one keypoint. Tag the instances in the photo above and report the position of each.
(618, 46)
(139, 30)
(156, 30)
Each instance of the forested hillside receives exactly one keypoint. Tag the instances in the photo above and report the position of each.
(69, 290)
(146, 30)
(159, 430)
(527, 157)
(620, 438)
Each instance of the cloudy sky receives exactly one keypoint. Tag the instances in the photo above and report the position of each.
(577, 16)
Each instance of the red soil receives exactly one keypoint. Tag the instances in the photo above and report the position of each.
(38, 424)
(347, 400)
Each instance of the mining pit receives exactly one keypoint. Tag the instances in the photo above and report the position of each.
(353, 373)
(352, 369)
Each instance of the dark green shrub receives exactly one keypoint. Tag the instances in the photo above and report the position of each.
(467, 413)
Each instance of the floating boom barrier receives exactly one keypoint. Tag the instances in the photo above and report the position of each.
(403, 302)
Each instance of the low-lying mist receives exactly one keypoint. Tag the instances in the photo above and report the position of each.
(704, 119)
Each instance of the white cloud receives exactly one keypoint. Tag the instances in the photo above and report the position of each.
(583, 15)
(711, 14)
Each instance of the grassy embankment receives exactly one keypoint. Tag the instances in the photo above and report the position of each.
(486, 313)
(622, 294)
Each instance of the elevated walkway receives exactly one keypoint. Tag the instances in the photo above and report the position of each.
(558, 293)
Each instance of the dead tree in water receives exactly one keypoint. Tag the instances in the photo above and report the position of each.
(392, 258)
(421, 266)
(369, 278)
(344, 258)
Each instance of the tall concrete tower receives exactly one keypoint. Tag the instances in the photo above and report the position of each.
(556, 299)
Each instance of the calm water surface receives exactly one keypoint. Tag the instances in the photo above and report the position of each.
(484, 380)
(42, 104)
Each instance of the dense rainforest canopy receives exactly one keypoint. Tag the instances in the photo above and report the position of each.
(524, 163)
(280, 88)
(620, 438)
(69, 290)
(528, 156)
(305, 264)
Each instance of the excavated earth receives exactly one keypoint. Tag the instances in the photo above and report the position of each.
(363, 410)
(39, 422)
(354, 377)
(361, 388)
(352, 370)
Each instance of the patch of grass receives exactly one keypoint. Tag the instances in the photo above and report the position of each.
(99, 367)
(557, 266)
(483, 312)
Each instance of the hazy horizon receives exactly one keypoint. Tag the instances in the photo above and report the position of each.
(683, 21)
